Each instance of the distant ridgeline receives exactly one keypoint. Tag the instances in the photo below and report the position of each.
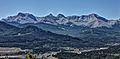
(51, 32)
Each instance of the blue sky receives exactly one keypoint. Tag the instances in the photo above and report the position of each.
(106, 8)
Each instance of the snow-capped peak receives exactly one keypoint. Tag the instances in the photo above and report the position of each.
(27, 15)
(98, 17)
(21, 18)
(50, 16)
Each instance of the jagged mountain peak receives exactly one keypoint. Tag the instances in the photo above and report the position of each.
(60, 16)
(21, 14)
(50, 18)
(94, 15)
(26, 15)
(50, 15)
(21, 18)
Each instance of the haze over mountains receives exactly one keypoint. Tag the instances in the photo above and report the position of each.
(49, 31)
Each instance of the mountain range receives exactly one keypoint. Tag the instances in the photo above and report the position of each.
(92, 20)
(28, 31)
(60, 24)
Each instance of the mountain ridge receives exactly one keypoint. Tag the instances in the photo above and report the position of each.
(92, 20)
